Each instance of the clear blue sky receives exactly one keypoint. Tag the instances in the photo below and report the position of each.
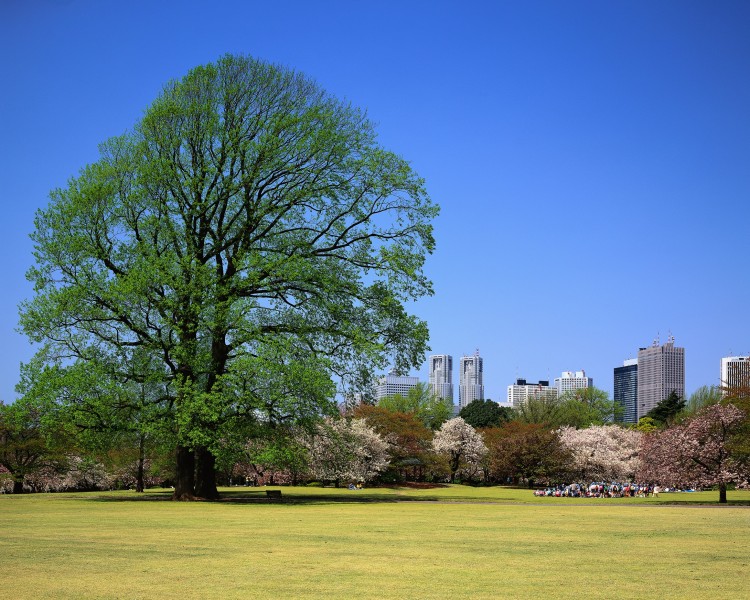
(592, 159)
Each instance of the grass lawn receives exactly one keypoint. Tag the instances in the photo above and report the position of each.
(452, 542)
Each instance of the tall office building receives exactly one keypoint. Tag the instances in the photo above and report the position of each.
(661, 370)
(470, 381)
(735, 372)
(570, 381)
(441, 376)
(626, 391)
(392, 384)
(521, 391)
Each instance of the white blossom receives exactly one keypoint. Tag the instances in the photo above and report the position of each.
(344, 449)
(460, 443)
(602, 452)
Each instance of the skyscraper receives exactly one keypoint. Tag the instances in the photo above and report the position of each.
(735, 372)
(626, 391)
(441, 376)
(570, 381)
(661, 370)
(471, 385)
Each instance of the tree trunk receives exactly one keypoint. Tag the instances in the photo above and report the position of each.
(722, 493)
(455, 464)
(18, 486)
(139, 485)
(184, 485)
(205, 484)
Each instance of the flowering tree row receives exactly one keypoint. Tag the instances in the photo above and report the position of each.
(375, 443)
(79, 473)
(353, 450)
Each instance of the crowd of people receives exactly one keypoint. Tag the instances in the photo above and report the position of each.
(600, 490)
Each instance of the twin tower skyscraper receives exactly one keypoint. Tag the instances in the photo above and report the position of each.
(470, 378)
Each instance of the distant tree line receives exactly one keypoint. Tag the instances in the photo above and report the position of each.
(699, 443)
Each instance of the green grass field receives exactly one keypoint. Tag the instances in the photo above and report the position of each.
(452, 542)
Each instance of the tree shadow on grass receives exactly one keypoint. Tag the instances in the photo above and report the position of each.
(253, 496)
(699, 503)
(395, 495)
(127, 496)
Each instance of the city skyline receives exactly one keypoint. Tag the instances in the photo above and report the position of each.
(590, 161)
(731, 370)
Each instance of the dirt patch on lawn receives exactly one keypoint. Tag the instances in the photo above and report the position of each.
(415, 485)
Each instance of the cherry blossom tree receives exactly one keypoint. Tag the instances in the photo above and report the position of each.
(47, 479)
(695, 453)
(75, 473)
(369, 452)
(6, 481)
(460, 443)
(346, 449)
(87, 474)
(602, 452)
(738, 394)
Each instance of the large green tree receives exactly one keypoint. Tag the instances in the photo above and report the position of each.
(541, 410)
(485, 413)
(525, 451)
(587, 406)
(252, 239)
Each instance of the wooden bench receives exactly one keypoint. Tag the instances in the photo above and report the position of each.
(273, 495)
